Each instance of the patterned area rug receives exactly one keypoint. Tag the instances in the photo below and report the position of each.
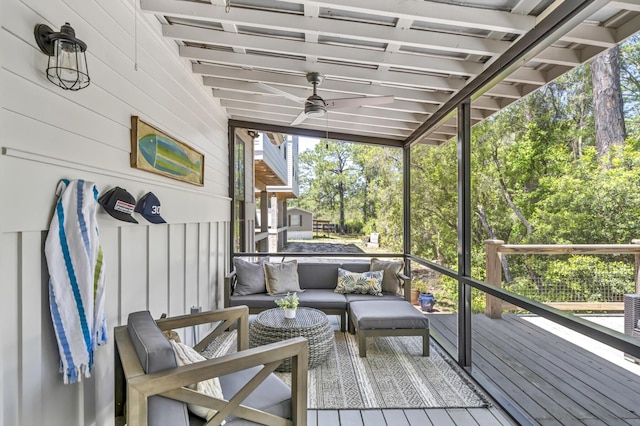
(393, 375)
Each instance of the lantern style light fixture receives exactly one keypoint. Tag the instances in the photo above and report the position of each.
(67, 65)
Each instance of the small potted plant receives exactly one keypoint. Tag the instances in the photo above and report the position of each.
(417, 287)
(289, 303)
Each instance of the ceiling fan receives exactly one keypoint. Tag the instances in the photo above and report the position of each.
(315, 106)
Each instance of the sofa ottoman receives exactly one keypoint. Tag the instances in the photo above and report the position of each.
(388, 318)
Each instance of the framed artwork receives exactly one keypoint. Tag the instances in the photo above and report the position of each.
(156, 152)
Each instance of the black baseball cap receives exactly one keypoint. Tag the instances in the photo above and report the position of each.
(119, 204)
(149, 207)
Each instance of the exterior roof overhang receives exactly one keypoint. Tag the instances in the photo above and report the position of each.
(430, 55)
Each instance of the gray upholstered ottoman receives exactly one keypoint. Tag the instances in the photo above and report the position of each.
(391, 318)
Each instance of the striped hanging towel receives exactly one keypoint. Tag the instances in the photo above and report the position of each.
(76, 278)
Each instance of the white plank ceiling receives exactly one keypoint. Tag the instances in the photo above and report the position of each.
(423, 53)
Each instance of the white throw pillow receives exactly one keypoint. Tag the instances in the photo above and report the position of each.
(211, 387)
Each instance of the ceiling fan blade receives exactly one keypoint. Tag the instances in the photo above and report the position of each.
(355, 102)
(277, 91)
(299, 119)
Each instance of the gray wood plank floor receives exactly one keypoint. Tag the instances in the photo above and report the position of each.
(551, 381)
(413, 417)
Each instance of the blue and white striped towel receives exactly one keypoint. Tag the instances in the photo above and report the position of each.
(76, 278)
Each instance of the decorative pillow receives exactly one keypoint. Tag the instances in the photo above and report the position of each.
(359, 283)
(282, 278)
(250, 277)
(187, 355)
(391, 268)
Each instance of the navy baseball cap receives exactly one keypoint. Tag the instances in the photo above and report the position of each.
(119, 204)
(149, 207)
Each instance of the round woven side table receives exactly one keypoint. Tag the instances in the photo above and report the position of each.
(271, 326)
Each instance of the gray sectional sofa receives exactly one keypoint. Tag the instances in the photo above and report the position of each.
(319, 280)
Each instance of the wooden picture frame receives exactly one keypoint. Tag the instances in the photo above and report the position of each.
(154, 151)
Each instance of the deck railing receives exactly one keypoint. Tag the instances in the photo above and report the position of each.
(496, 249)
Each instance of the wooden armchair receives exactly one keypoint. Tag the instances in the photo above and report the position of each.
(151, 392)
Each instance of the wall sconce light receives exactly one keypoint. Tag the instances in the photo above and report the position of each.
(67, 66)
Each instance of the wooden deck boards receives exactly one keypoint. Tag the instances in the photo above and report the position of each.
(552, 381)
(413, 417)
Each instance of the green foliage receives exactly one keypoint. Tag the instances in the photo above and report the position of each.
(290, 301)
(536, 179)
(576, 279)
(354, 226)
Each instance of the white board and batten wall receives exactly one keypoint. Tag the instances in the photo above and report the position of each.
(48, 134)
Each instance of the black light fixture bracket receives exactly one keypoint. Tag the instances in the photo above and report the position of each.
(45, 37)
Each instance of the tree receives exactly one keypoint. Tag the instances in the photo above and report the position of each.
(329, 178)
(607, 101)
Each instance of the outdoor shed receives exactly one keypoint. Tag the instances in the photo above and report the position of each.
(300, 224)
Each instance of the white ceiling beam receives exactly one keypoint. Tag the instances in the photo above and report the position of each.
(311, 11)
(329, 70)
(402, 23)
(436, 13)
(505, 91)
(486, 103)
(591, 35)
(628, 29)
(559, 56)
(632, 5)
(528, 76)
(231, 28)
(525, 7)
(329, 27)
(328, 85)
(327, 51)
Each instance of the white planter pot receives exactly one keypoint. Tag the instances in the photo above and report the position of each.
(289, 313)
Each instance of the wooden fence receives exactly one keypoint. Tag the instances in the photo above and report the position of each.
(495, 249)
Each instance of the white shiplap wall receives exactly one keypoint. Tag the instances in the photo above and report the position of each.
(48, 134)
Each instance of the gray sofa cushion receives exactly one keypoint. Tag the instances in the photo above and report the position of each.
(256, 300)
(356, 266)
(396, 314)
(281, 278)
(391, 268)
(318, 275)
(272, 396)
(322, 299)
(156, 354)
(250, 277)
(368, 297)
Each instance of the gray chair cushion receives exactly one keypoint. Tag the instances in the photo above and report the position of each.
(272, 395)
(396, 314)
(156, 354)
(368, 297)
(249, 277)
(322, 299)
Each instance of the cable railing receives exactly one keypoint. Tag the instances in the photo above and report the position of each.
(586, 285)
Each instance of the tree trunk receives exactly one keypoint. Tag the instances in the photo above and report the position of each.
(503, 259)
(607, 101)
(515, 208)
